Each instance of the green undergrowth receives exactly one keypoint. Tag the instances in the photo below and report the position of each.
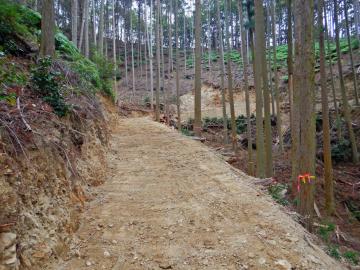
(19, 26)
(281, 53)
(69, 71)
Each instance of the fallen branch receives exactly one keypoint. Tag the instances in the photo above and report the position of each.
(28, 128)
(16, 138)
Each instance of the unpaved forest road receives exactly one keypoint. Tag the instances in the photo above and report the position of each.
(171, 203)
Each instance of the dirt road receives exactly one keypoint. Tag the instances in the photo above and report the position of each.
(171, 203)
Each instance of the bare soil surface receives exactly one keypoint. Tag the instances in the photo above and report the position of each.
(172, 203)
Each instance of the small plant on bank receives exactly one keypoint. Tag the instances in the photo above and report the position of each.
(277, 192)
(47, 83)
(333, 251)
(351, 256)
(326, 230)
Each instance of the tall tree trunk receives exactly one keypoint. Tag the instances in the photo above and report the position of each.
(276, 75)
(222, 71)
(197, 120)
(356, 4)
(304, 103)
(101, 28)
(328, 173)
(294, 137)
(260, 151)
(94, 22)
(185, 43)
(86, 30)
(145, 47)
(246, 84)
(177, 67)
(114, 49)
(346, 106)
(209, 42)
(126, 60)
(132, 54)
(230, 79)
(337, 115)
(74, 21)
(151, 56)
(260, 39)
(351, 54)
(47, 45)
(82, 29)
(158, 61)
(163, 66)
(171, 67)
(269, 58)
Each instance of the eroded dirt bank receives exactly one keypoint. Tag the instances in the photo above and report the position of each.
(171, 203)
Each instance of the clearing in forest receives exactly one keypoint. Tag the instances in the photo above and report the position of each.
(171, 203)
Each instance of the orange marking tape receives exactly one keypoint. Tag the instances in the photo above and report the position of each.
(304, 178)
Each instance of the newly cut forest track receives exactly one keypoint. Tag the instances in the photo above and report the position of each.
(171, 203)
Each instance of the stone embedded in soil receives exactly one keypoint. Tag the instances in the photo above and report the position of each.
(262, 261)
(106, 253)
(284, 264)
(8, 250)
(165, 265)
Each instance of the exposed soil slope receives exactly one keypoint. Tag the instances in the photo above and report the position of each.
(171, 203)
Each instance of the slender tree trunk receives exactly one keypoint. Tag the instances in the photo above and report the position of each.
(346, 106)
(356, 4)
(246, 84)
(328, 173)
(82, 29)
(230, 79)
(163, 66)
(132, 55)
(222, 72)
(276, 75)
(74, 21)
(351, 54)
(145, 49)
(101, 28)
(171, 68)
(290, 54)
(184, 43)
(294, 137)
(114, 49)
(126, 60)
(260, 151)
(260, 39)
(94, 22)
(86, 30)
(106, 21)
(47, 45)
(337, 115)
(209, 42)
(197, 120)
(177, 67)
(158, 61)
(151, 57)
(304, 103)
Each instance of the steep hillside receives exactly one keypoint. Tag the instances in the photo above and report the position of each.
(53, 135)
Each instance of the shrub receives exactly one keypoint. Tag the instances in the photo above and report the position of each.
(351, 256)
(84, 67)
(341, 151)
(46, 82)
(106, 73)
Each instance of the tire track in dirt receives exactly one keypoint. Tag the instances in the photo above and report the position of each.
(171, 203)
